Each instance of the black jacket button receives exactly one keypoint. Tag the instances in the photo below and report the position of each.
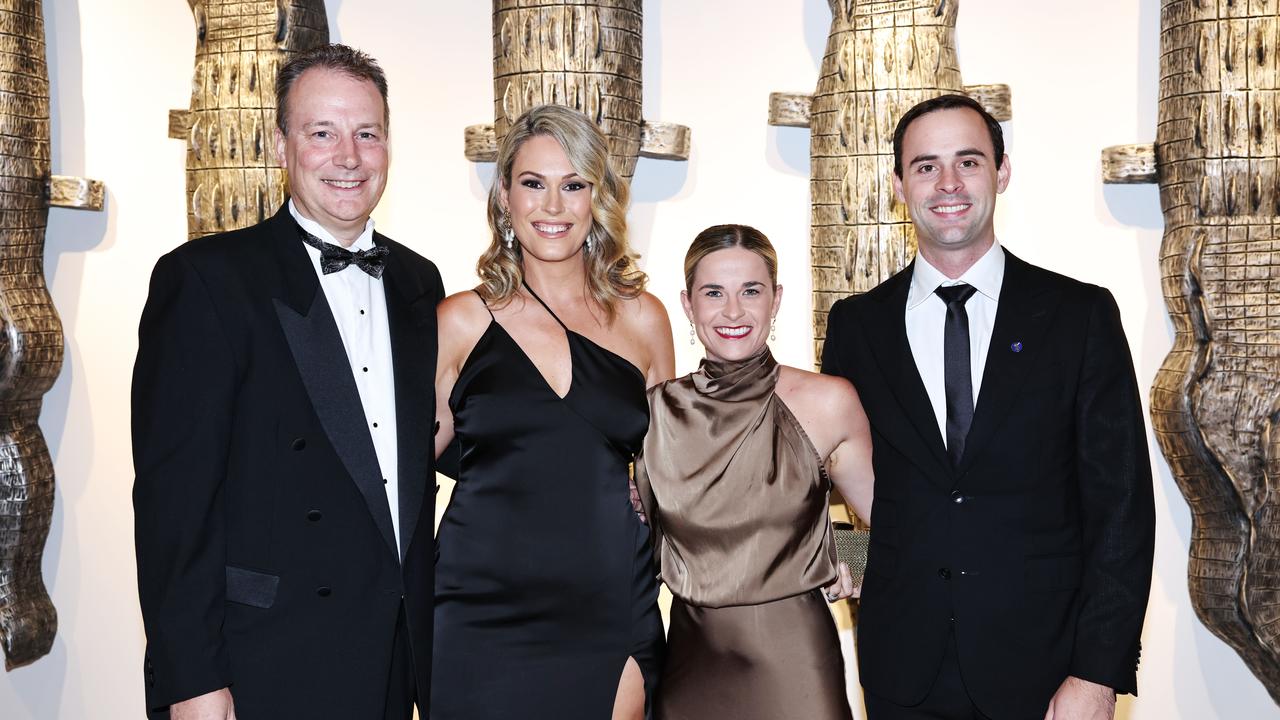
(314, 515)
(944, 573)
(324, 591)
(298, 443)
(957, 498)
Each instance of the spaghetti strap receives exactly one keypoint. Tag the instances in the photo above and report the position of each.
(544, 306)
(486, 305)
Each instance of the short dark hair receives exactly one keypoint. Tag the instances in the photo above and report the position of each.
(947, 102)
(336, 57)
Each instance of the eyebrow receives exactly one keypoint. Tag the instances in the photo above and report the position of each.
(330, 124)
(540, 176)
(714, 286)
(967, 152)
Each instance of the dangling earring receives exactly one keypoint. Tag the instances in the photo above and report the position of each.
(589, 244)
(773, 336)
(693, 337)
(508, 233)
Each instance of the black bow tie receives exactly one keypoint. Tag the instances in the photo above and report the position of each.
(335, 257)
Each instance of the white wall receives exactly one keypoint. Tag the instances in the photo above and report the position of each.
(1083, 76)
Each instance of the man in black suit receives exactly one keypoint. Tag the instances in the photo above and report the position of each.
(283, 401)
(1013, 522)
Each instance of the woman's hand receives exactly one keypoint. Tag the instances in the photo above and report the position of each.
(843, 588)
(635, 502)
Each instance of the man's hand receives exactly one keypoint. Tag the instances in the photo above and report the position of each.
(216, 705)
(1078, 699)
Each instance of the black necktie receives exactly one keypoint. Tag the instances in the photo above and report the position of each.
(335, 257)
(957, 369)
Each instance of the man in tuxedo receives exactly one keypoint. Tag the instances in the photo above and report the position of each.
(283, 401)
(1013, 522)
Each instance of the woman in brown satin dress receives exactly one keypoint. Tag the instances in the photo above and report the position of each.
(736, 471)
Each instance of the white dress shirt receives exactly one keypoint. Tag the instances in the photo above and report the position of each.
(359, 306)
(927, 316)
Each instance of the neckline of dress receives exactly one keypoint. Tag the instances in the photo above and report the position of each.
(752, 377)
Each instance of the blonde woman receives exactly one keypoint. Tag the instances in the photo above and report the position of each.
(545, 602)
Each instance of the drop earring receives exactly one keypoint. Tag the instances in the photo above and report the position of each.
(773, 336)
(588, 243)
(508, 233)
(693, 337)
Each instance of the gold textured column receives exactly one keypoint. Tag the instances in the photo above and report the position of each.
(30, 331)
(233, 180)
(1216, 398)
(882, 57)
(584, 54)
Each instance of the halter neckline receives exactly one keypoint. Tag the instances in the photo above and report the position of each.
(544, 305)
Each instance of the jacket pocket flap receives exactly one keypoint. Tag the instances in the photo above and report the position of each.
(250, 587)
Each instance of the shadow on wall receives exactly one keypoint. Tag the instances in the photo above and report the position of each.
(331, 10)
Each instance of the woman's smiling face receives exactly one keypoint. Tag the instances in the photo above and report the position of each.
(732, 303)
(549, 203)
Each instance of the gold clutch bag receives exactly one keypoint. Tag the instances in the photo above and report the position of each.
(851, 548)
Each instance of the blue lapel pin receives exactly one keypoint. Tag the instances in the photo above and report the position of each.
(1016, 346)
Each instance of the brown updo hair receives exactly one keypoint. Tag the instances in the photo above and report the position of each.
(722, 237)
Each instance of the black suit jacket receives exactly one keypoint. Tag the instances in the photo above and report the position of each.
(266, 558)
(1037, 550)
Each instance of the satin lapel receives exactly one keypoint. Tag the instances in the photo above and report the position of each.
(318, 352)
(411, 319)
(888, 329)
(1017, 344)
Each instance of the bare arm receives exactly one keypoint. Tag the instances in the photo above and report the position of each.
(462, 320)
(832, 416)
(849, 463)
(655, 329)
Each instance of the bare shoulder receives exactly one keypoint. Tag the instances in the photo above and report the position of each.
(644, 314)
(653, 314)
(461, 310)
(823, 397)
(461, 319)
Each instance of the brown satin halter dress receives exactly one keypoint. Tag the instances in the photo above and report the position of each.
(737, 502)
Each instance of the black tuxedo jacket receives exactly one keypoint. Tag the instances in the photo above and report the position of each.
(266, 557)
(1036, 551)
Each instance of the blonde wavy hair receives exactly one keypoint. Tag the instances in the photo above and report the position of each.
(611, 269)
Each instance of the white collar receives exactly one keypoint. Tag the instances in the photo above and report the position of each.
(986, 276)
(363, 242)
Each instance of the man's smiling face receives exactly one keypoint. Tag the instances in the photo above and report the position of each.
(950, 181)
(335, 150)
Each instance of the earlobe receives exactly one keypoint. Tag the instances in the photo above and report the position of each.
(898, 194)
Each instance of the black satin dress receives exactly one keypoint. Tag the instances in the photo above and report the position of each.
(544, 581)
